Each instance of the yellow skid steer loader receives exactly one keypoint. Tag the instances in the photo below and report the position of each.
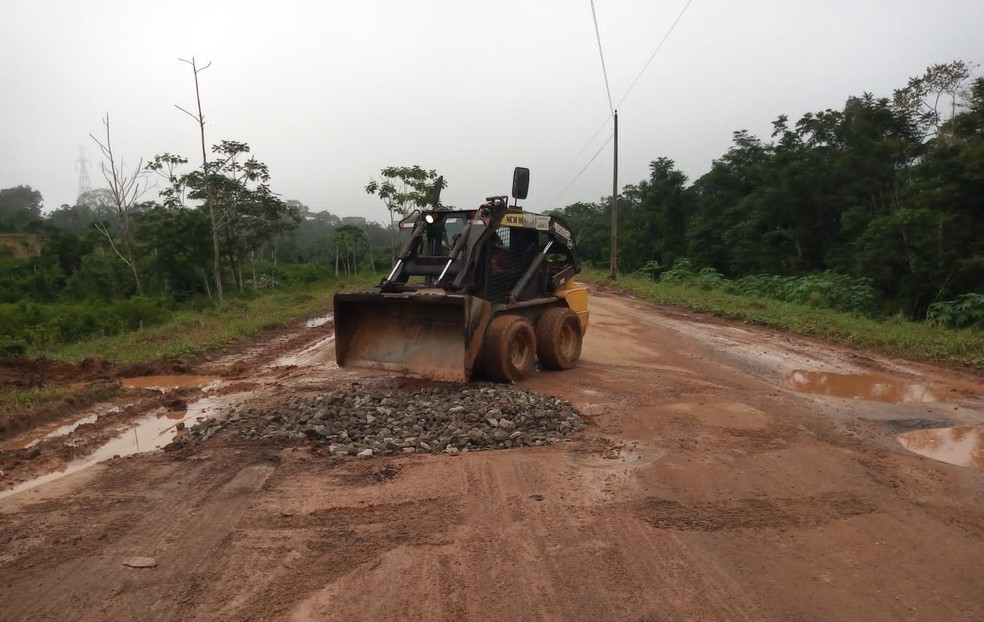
(483, 291)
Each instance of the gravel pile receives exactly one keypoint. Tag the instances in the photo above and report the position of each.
(430, 420)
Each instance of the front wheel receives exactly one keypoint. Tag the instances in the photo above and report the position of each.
(509, 349)
(558, 338)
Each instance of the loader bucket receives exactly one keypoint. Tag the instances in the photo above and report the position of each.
(426, 335)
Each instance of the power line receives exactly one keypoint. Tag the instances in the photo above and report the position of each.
(655, 52)
(574, 160)
(608, 90)
(604, 71)
(576, 177)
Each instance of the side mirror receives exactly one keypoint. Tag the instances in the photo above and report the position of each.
(436, 191)
(521, 182)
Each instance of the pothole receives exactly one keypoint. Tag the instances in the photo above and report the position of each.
(870, 387)
(961, 445)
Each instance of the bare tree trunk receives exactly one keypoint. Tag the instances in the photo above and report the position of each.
(252, 267)
(209, 194)
(372, 262)
(275, 248)
(208, 290)
(125, 192)
(392, 240)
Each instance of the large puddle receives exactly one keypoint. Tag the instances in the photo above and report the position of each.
(962, 445)
(147, 434)
(872, 387)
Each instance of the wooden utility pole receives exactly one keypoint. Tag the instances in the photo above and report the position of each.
(614, 245)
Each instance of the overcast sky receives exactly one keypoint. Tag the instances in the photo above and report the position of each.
(329, 92)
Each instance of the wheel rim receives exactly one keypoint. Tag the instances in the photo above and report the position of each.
(519, 353)
(567, 339)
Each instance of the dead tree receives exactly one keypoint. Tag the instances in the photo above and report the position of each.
(125, 190)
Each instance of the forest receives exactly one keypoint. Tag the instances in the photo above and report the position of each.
(881, 201)
(885, 195)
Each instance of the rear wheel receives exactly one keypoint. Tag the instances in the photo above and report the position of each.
(558, 338)
(509, 350)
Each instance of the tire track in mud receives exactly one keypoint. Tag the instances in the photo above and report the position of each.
(764, 513)
(525, 548)
(179, 524)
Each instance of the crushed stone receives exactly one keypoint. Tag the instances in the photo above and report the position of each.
(451, 419)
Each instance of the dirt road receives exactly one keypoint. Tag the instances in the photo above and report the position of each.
(704, 488)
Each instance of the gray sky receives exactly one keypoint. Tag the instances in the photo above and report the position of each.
(327, 93)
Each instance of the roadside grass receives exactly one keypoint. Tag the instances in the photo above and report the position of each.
(895, 336)
(192, 332)
(185, 333)
(22, 409)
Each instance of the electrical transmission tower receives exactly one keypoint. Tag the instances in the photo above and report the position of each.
(83, 165)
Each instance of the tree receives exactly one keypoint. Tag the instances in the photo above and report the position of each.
(350, 244)
(934, 97)
(403, 189)
(166, 166)
(656, 220)
(179, 245)
(209, 202)
(19, 207)
(125, 190)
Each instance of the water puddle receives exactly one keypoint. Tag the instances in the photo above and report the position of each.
(872, 387)
(962, 445)
(147, 434)
(307, 355)
(52, 430)
(163, 383)
(319, 321)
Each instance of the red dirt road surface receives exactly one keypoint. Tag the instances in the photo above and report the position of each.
(704, 488)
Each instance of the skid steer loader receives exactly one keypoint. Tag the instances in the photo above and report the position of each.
(483, 291)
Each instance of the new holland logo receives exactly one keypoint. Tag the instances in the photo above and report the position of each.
(533, 221)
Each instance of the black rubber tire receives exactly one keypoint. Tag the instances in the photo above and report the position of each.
(509, 349)
(558, 338)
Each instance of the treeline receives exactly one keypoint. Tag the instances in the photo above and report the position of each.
(112, 263)
(888, 191)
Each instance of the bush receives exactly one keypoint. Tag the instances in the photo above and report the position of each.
(12, 346)
(827, 290)
(966, 311)
(683, 272)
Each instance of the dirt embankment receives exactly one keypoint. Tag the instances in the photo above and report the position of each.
(704, 487)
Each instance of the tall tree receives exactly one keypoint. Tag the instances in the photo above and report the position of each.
(19, 207)
(199, 118)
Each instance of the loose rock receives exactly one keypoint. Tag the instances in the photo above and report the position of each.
(450, 419)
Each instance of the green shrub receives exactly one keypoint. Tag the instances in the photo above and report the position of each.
(966, 311)
(12, 346)
(826, 290)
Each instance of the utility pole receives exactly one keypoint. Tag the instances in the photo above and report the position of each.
(614, 244)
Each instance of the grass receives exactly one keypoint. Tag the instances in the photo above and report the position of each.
(21, 409)
(186, 333)
(190, 332)
(895, 336)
